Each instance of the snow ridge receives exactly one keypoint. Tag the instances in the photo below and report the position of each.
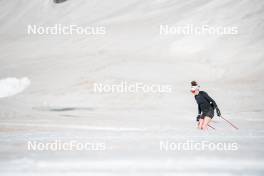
(12, 86)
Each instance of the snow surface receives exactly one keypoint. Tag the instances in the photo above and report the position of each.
(60, 102)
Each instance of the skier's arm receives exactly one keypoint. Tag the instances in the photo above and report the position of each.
(199, 113)
(209, 99)
(199, 110)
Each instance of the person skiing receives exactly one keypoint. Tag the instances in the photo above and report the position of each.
(206, 106)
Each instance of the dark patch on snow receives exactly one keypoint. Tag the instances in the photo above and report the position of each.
(59, 1)
(67, 115)
(61, 109)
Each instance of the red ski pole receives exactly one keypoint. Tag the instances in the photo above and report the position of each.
(229, 123)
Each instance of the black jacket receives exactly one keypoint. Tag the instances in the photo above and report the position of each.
(205, 102)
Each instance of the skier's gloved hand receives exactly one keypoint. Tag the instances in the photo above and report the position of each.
(198, 117)
(218, 112)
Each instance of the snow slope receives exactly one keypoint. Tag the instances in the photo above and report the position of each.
(60, 102)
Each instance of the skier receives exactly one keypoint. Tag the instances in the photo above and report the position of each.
(206, 106)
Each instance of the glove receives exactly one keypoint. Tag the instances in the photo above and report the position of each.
(198, 117)
(218, 111)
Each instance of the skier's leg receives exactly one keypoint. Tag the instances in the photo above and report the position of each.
(206, 122)
(200, 125)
